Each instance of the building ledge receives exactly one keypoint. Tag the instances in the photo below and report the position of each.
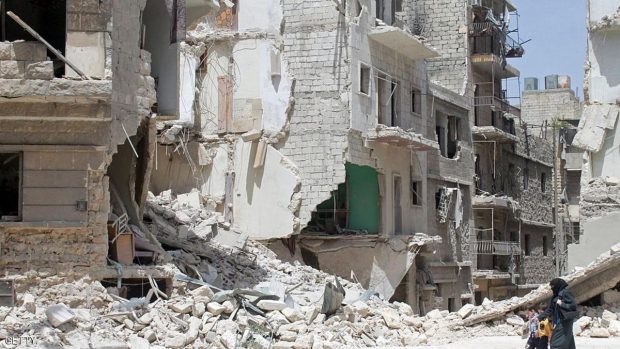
(491, 64)
(493, 274)
(55, 90)
(402, 42)
(399, 137)
(492, 133)
(537, 224)
(492, 201)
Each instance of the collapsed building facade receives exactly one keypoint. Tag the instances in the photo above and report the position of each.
(597, 136)
(331, 131)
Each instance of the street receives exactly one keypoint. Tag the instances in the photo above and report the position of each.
(518, 343)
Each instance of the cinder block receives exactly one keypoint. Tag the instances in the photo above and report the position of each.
(11, 69)
(29, 51)
(40, 70)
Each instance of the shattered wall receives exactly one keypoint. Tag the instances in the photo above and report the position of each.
(598, 134)
(537, 267)
(316, 49)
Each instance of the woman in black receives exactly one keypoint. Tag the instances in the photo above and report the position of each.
(562, 311)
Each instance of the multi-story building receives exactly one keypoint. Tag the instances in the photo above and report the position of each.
(553, 113)
(599, 137)
(512, 233)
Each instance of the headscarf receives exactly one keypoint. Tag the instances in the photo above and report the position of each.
(557, 285)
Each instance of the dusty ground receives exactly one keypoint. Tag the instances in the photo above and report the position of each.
(518, 343)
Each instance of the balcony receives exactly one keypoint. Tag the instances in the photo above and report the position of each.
(496, 104)
(399, 137)
(488, 38)
(497, 248)
(401, 42)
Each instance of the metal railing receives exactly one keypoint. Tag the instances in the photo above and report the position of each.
(496, 103)
(511, 47)
(499, 248)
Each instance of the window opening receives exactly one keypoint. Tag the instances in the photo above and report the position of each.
(10, 186)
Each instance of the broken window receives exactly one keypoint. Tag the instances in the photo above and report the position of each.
(416, 101)
(526, 244)
(387, 101)
(46, 17)
(543, 182)
(453, 136)
(10, 186)
(364, 81)
(447, 130)
(416, 193)
(544, 245)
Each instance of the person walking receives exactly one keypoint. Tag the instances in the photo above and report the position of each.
(562, 311)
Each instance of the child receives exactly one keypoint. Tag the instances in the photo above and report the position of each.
(544, 333)
(533, 326)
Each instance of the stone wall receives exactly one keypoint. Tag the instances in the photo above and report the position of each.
(537, 268)
(444, 24)
(546, 105)
(316, 48)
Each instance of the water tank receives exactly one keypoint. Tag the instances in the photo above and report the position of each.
(563, 81)
(551, 82)
(531, 84)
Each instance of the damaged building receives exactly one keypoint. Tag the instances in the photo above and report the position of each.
(316, 123)
(76, 132)
(513, 221)
(598, 136)
(352, 136)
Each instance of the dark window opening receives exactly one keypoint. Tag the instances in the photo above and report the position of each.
(526, 179)
(453, 136)
(46, 17)
(416, 102)
(452, 305)
(526, 243)
(416, 193)
(10, 186)
(544, 246)
(364, 79)
(440, 132)
(514, 236)
(543, 182)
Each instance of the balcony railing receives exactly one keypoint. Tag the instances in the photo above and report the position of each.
(498, 248)
(489, 38)
(496, 104)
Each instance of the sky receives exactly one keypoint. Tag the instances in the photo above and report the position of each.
(557, 29)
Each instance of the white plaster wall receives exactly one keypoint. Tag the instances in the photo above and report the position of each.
(600, 8)
(603, 53)
(263, 15)
(262, 196)
(275, 102)
(187, 86)
(607, 161)
(599, 234)
(214, 175)
(87, 52)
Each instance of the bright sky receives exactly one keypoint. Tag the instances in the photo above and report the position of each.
(558, 32)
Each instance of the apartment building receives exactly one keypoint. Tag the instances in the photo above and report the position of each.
(598, 136)
(512, 240)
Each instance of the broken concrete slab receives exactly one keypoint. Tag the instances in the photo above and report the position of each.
(59, 314)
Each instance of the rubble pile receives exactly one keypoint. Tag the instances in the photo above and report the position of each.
(282, 305)
(598, 322)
